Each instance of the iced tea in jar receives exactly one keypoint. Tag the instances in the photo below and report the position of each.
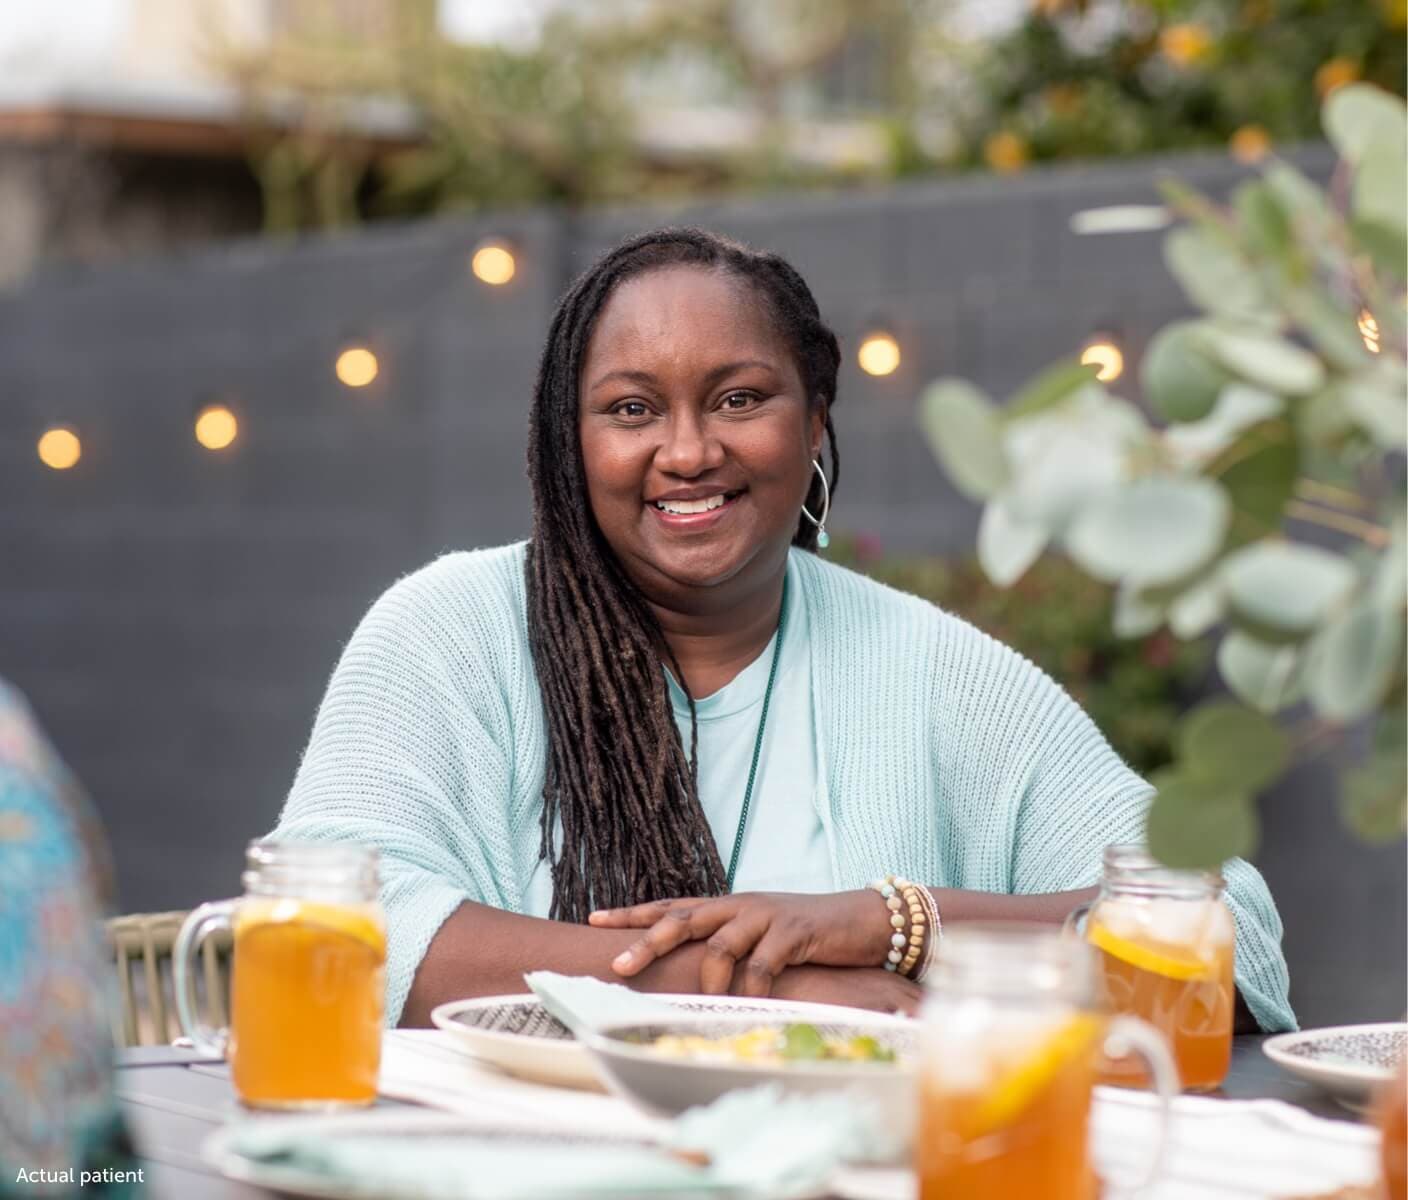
(1013, 1039)
(307, 988)
(1165, 942)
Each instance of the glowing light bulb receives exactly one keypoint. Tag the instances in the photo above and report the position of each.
(1105, 355)
(60, 448)
(493, 264)
(216, 427)
(356, 366)
(879, 354)
(1369, 330)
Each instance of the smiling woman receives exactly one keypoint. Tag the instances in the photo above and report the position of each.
(662, 741)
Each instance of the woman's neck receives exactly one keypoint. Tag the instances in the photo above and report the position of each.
(712, 645)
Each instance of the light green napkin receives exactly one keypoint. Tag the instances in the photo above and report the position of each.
(581, 1002)
(759, 1143)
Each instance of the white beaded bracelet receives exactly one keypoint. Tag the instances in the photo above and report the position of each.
(898, 941)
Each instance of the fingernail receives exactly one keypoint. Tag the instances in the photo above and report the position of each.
(622, 960)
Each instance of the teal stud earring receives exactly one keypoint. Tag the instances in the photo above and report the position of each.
(823, 539)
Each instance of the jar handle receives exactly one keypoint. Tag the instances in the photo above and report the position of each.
(204, 921)
(1129, 1035)
(1078, 914)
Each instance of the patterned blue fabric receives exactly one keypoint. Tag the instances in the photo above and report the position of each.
(60, 1129)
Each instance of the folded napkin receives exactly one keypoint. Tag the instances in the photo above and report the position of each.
(750, 1143)
(581, 1002)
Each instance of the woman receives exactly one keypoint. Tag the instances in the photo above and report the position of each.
(666, 694)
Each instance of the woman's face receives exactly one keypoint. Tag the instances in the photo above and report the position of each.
(697, 437)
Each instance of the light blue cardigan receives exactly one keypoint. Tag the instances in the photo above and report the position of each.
(947, 758)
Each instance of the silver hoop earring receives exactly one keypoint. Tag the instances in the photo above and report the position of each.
(823, 539)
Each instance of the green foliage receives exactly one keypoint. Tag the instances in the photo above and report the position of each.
(1083, 80)
(1058, 618)
(1272, 506)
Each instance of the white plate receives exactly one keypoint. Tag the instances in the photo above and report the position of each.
(1348, 1061)
(520, 1037)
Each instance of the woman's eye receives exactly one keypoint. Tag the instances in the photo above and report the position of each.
(630, 409)
(739, 401)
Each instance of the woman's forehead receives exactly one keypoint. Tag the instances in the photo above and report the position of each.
(684, 307)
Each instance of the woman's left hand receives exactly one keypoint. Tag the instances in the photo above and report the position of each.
(763, 932)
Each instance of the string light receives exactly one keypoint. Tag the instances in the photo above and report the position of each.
(1103, 352)
(356, 366)
(59, 448)
(216, 427)
(493, 263)
(1369, 330)
(879, 354)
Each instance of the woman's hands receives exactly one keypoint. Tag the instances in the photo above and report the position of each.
(752, 937)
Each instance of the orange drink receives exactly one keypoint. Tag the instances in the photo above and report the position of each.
(1165, 942)
(1012, 1121)
(307, 984)
(306, 1002)
(1013, 1042)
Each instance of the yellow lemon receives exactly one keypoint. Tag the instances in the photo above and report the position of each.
(1173, 964)
(355, 923)
(1016, 1088)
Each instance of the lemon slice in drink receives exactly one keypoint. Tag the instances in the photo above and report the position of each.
(1017, 1087)
(355, 923)
(1171, 963)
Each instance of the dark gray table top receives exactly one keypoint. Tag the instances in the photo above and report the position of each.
(173, 1099)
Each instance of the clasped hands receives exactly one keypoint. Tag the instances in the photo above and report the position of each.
(752, 939)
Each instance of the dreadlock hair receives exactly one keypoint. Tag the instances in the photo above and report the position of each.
(617, 777)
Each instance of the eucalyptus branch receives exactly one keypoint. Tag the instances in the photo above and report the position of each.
(1330, 496)
(1329, 518)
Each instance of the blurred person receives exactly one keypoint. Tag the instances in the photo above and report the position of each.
(60, 1130)
(666, 694)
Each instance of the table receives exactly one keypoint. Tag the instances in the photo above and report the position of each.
(174, 1098)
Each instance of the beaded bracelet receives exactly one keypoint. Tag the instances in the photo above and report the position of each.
(936, 930)
(905, 948)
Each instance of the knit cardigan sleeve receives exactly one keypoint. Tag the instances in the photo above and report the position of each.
(409, 753)
(1074, 796)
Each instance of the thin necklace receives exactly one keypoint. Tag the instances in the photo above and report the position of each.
(758, 745)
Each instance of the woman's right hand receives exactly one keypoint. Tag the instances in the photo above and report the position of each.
(860, 987)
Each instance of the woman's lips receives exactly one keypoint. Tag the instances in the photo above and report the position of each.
(694, 522)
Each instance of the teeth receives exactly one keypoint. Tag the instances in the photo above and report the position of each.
(690, 506)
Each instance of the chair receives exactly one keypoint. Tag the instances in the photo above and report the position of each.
(141, 945)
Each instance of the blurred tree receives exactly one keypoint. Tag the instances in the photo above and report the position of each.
(1084, 78)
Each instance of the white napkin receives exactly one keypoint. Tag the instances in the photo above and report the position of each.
(581, 1002)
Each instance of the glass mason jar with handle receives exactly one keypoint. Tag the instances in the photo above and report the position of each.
(1166, 946)
(307, 989)
(1012, 1041)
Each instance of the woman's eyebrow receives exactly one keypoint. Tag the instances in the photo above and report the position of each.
(645, 377)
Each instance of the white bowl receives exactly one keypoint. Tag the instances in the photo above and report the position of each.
(1348, 1061)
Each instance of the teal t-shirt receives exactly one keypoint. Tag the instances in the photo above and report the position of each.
(785, 842)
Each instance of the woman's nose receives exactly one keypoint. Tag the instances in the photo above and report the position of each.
(689, 448)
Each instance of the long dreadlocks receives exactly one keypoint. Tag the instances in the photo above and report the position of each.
(618, 778)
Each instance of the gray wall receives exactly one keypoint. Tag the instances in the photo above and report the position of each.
(174, 614)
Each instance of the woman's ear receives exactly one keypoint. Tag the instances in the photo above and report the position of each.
(817, 426)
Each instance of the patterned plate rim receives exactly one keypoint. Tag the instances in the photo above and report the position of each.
(443, 1016)
(1281, 1049)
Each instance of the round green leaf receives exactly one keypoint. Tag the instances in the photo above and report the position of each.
(1135, 616)
(1196, 609)
(1331, 327)
(964, 433)
(1378, 408)
(1324, 418)
(1197, 825)
(1390, 586)
(1263, 359)
(1266, 677)
(1282, 591)
(1212, 273)
(1239, 406)
(1050, 387)
(1259, 471)
(1374, 800)
(1007, 544)
(1380, 185)
(1152, 531)
(1263, 222)
(1239, 748)
(1350, 665)
(1358, 115)
(1179, 378)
